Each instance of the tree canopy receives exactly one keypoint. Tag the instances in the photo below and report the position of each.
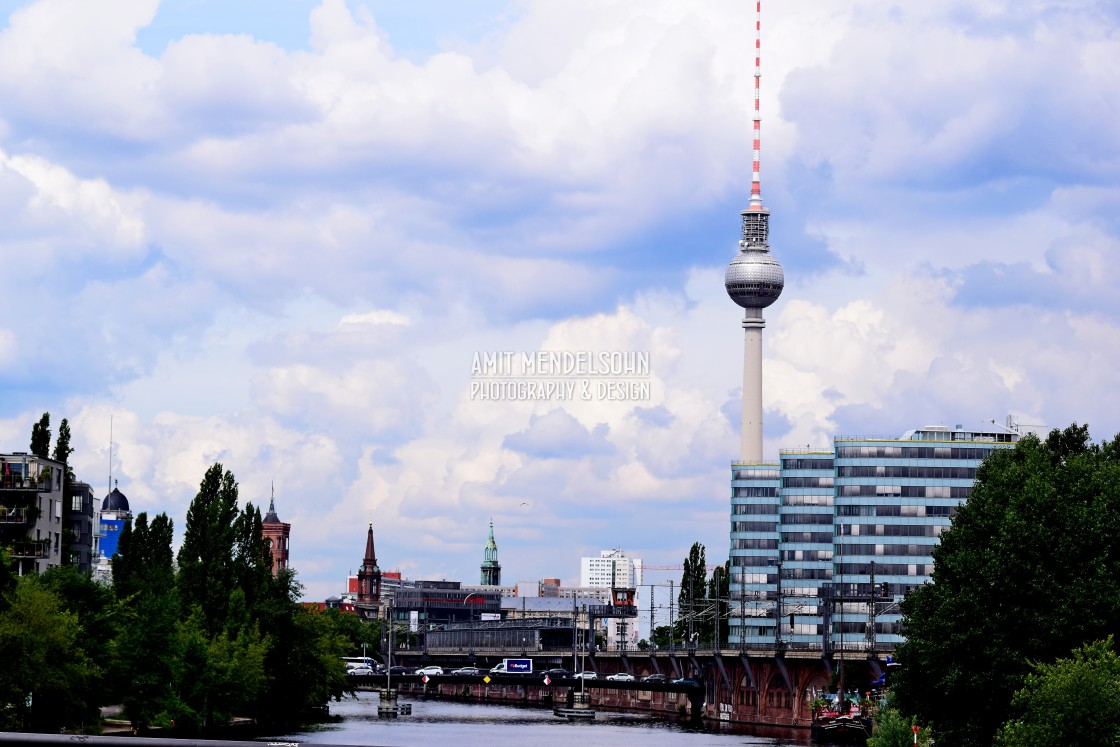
(63, 449)
(1026, 573)
(220, 637)
(41, 437)
(206, 573)
(694, 589)
(1072, 701)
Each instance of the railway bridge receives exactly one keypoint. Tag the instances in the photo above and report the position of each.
(764, 687)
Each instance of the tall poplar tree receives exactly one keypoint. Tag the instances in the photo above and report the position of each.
(719, 593)
(206, 563)
(63, 450)
(694, 583)
(41, 437)
(252, 561)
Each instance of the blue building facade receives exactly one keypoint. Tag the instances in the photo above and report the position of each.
(754, 550)
(824, 544)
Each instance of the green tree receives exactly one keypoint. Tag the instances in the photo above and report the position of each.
(8, 577)
(221, 675)
(45, 676)
(143, 580)
(892, 729)
(693, 592)
(99, 617)
(252, 561)
(662, 635)
(149, 673)
(719, 597)
(1027, 572)
(304, 664)
(142, 564)
(41, 437)
(206, 565)
(63, 450)
(355, 631)
(1072, 701)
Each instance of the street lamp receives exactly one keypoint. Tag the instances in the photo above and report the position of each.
(470, 611)
(470, 620)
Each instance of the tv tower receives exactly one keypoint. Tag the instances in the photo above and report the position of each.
(754, 280)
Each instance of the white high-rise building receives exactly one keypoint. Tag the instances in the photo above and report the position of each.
(614, 569)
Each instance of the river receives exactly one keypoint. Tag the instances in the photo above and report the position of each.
(444, 723)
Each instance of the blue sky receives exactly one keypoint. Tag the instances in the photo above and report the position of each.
(274, 234)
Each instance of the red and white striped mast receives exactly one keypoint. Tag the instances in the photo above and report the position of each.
(756, 179)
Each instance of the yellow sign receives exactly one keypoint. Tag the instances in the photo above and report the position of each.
(486, 679)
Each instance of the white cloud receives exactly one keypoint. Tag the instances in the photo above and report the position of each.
(380, 316)
(47, 198)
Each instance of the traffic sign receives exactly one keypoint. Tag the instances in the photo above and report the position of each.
(486, 679)
(547, 681)
(425, 679)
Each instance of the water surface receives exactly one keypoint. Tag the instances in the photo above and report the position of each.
(446, 724)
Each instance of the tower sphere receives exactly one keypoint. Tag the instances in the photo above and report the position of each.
(754, 279)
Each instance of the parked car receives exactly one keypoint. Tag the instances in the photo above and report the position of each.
(401, 670)
(431, 671)
(585, 676)
(558, 673)
(655, 678)
(467, 671)
(686, 681)
(621, 677)
(360, 671)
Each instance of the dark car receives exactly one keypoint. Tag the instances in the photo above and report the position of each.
(655, 678)
(558, 674)
(401, 670)
(686, 681)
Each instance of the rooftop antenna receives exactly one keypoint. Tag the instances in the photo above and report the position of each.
(110, 455)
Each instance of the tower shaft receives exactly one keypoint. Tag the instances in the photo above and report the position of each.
(750, 447)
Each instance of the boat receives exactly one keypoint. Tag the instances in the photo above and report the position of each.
(841, 722)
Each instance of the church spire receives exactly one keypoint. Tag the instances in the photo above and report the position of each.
(491, 568)
(369, 579)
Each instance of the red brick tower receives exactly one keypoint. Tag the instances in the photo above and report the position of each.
(276, 535)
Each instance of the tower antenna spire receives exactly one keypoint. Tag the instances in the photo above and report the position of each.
(756, 179)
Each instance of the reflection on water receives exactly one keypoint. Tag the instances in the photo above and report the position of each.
(446, 724)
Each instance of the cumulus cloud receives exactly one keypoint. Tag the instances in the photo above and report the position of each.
(559, 435)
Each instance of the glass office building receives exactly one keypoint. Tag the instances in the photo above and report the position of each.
(824, 544)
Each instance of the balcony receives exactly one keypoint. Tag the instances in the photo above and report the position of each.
(34, 549)
(16, 515)
(20, 483)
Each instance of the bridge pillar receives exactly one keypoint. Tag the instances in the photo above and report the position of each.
(387, 707)
(696, 705)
